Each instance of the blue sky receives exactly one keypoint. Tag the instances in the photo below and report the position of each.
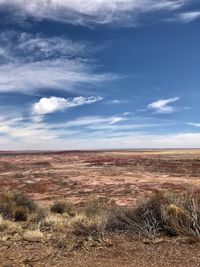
(99, 74)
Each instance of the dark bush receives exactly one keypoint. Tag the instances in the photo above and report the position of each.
(63, 206)
(16, 205)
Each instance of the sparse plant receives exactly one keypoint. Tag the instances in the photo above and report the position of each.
(96, 205)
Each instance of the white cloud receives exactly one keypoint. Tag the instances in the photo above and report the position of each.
(42, 139)
(87, 12)
(188, 16)
(26, 130)
(24, 133)
(46, 47)
(108, 125)
(116, 101)
(195, 124)
(162, 105)
(33, 62)
(94, 120)
(53, 104)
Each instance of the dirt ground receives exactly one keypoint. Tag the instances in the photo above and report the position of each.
(122, 176)
(124, 252)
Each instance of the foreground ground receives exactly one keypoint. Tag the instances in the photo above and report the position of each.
(124, 252)
(123, 177)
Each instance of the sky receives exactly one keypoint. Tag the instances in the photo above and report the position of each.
(99, 74)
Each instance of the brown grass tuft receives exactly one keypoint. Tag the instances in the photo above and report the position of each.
(33, 235)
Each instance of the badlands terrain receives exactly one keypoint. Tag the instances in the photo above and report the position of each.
(122, 176)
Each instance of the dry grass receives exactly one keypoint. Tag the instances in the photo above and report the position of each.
(56, 222)
(38, 216)
(161, 214)
(33, 235)
(6, 225)
(93, 226)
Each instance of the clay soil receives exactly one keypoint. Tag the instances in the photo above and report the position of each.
(122, 176)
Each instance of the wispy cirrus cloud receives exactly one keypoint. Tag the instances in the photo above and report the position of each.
(122, 131)
(187, 17)
(85, 12)
(33, 62)
(116, 101)
(42, 136)
(52, 104)
(88, 121)
(195, 124)
(163, 105)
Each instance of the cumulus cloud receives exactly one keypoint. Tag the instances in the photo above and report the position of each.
(162, 105)
(34, 62)
(52, 104)
(87, 12)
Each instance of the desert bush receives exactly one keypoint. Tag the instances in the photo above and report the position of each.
(181, 213)
(147, 217)
(63, 206)
(172, 212)
(20, 213)
(93, 226)
(120, 219)
(14, 204)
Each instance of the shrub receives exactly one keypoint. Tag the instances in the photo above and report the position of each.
(147, 217)
(181, 213)
(82, 225)
(63, 206)
(20, 213)
(16, 205)
(172, 213)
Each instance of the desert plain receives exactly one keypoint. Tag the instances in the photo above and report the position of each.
(123, 177)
